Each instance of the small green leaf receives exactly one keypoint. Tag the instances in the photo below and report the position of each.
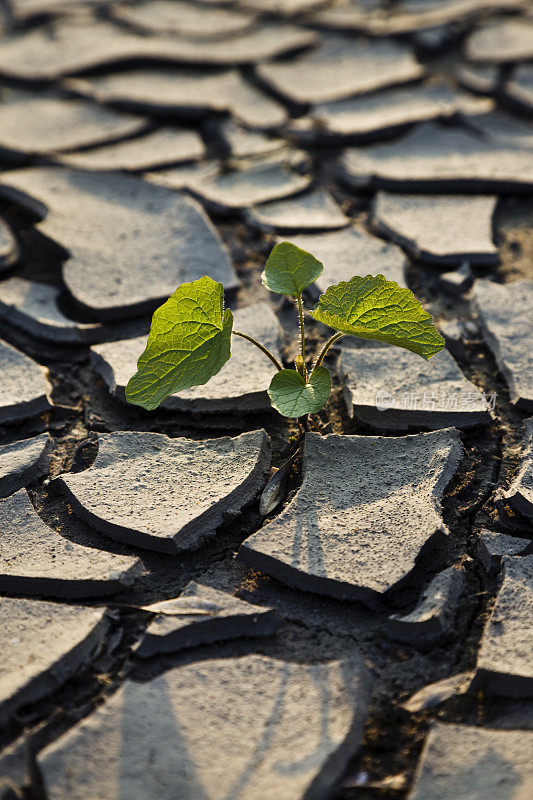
(293, 397)
(375, 308)
(289, 269)
(189, 342)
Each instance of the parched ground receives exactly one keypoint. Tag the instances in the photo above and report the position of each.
(370, 638)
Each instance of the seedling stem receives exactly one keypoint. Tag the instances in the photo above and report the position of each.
(261, 347)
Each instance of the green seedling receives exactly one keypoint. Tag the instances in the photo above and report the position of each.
(190, 336)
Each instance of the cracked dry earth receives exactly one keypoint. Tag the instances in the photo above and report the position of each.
(371, 638)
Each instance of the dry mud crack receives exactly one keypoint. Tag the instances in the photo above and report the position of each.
(371, 638)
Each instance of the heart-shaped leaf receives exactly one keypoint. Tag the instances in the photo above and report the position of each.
(375, 308)
(189, 342)
(289, 269)
(292, 396)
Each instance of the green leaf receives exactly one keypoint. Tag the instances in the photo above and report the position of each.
(289, 269)
(293, 397)
(189, 342)
(375, 308)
